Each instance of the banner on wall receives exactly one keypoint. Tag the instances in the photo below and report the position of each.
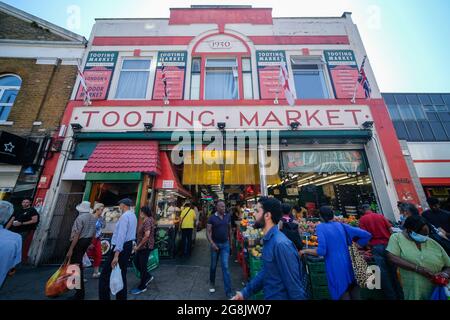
(174, 63)
(343, 70)
(98, 73)
(268, 63)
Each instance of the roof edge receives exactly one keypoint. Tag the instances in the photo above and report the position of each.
(8, 9)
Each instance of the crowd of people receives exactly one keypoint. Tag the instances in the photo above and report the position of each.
(412, 254)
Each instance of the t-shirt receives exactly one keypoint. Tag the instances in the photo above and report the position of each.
(25, 215)
(378, 226)
(439, 218)
(220, 227)
(188, 216)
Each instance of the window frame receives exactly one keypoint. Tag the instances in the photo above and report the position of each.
(199, 73)
(118, 70)
(308, 60)
(247, 72)
(3, 89)
(238, 67)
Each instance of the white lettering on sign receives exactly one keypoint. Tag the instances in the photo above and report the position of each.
(167, 184)
(220, 45)
(261, 117)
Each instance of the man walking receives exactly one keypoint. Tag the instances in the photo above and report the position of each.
(219, 233)
(24, 222)
(281, 275)
(380, 229)
(83, 230)
(122, 246)
(437, 217)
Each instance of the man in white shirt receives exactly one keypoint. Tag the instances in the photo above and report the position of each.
(122, 246)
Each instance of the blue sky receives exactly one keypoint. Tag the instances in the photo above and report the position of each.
(407, 41)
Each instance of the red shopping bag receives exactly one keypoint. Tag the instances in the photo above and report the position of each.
(57, 284)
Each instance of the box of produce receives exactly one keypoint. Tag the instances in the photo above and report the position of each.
(321, 293)
(310, 241)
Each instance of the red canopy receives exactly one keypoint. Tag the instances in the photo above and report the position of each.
(168, 178)
(124, 156)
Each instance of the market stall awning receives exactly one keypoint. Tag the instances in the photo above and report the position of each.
(124, 157)
(168, 179)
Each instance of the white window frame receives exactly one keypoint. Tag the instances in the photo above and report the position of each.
(4, 88)
(318, 60)
(116, 77)
(235, 69)
(248, 72)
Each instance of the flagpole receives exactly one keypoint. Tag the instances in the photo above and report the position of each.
(353, 101)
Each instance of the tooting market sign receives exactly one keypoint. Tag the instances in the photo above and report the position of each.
(266, 117)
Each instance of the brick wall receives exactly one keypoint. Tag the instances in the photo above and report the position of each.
(14, 28)
(43, 96)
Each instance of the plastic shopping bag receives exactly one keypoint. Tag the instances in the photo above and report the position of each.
(86, 261)
(57, 284)
(439, 293)
(116, 281)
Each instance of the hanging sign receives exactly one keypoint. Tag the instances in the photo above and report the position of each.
(268, 63)
(174, 63)
(98, 73)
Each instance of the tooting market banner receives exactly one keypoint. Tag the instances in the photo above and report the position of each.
(344, 73)
(268, 63)
(174, 63)
(98, 74)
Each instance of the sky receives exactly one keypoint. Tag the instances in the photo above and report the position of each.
(407, 41)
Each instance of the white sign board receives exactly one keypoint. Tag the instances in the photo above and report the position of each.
(260, 117)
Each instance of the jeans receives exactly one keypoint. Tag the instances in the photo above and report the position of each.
(141, 262)
(389, 281)
(77, 258)
(224, 254)
(103, 285)
(186, 241)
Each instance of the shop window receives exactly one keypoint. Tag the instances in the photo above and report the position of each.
(134, 79)
(9, 89)
(309, 79)
(195, 78)
(247, 78)
(221, 81)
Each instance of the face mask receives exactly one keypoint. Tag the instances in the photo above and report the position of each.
(402, 219)
(418, 237)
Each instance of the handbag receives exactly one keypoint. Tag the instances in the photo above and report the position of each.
(359, 264)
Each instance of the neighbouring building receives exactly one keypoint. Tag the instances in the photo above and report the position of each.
(210, 70)
(422, 123)
(38, 69)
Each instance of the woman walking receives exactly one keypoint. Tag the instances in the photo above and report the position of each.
(95, 250)
(334, 239)
(145, 245)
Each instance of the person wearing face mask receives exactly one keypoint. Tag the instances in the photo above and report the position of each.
(419, 258)
(282, 276)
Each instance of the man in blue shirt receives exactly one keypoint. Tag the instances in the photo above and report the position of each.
(219, 234)
(281, 275)
(122, 246)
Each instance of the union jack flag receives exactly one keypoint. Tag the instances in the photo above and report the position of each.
(164, 80)
(363, 81)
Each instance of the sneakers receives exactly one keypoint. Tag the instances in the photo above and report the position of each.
(149, 280)
(212, 290)
(96, 275)
(137, 291)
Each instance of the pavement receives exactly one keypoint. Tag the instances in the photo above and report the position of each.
(174, 280)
